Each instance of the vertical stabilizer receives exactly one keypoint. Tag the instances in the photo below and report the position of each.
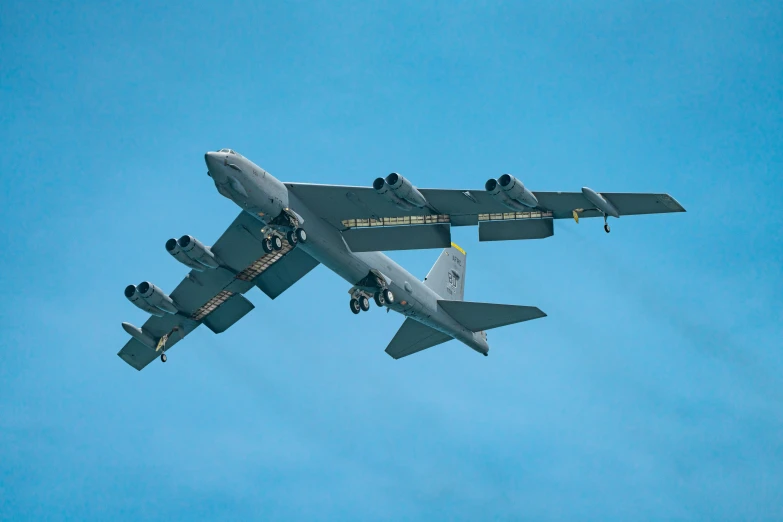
(447, 275)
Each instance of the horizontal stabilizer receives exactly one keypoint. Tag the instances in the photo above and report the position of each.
(477, 317)
(406, 237)
(414, 337)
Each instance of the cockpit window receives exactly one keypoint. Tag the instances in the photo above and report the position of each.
(230, 151)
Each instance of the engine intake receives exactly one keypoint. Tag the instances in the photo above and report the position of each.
(494, 190)
(196, 251)
(402, 191)
(383, 188)
(154, 296)
(511, 192)
(172, 247)
(133, 295)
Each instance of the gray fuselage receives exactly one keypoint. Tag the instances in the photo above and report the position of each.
(264, 197)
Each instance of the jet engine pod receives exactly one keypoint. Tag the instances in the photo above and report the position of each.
(196, 251)
(133, 295)
(172, 247)
(517, 191)
(403, 189)
(496, 192)
(383, 188)
(154, 296)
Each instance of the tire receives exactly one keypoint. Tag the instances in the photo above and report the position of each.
(291, 237)
(355, 306)
(266, 244)
(379, 300)
(277, 243)
(606, 228)
(301, 235)
(163, 357)
(388, 296)
(364, 303)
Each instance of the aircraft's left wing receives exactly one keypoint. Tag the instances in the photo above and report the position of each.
(213, 297)
(348, 207)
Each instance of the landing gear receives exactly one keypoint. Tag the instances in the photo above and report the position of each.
(297, 235)
(355, 308)
(163, 357)
(364, 303)
(379, 300)
(277, 243)
(606, 228)
(266, 244)
(388, 296)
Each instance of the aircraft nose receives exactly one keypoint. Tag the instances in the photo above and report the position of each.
(211, 159)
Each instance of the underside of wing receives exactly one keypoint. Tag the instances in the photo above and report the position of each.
(414, 337)
(357, 209)
(213, 295)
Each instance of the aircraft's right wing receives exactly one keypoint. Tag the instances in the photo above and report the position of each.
(214, 296)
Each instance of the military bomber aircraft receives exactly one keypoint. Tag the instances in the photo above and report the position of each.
(284, 230)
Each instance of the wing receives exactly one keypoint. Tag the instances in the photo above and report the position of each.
(371, 222)
(414, 337)
(214, 297)
(351, 207)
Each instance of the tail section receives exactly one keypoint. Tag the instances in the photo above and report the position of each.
(447, 275)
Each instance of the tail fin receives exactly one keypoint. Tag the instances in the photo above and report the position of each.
(447, 275)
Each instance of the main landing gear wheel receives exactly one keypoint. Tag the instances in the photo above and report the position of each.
(355, 306)
(379, 300)
(606, 228)
(266, 244)
(277, 243)
(291, 237)
(364, 303)
(163, 357)
(301, 235)
(387, 295)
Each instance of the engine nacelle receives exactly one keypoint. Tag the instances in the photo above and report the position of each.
(517, 191)
(154, 296)
(383, 188)
(172, 247)
(403, 189)
(196, 251)
(133, 295)
(496, 192)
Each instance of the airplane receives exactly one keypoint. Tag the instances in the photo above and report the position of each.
(284, 230)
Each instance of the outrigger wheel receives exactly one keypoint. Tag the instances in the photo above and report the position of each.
(606, 228)
(163, 357)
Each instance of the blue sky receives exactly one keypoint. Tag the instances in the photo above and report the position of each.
(651, 391)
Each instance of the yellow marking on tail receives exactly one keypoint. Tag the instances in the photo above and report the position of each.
(459, 248)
